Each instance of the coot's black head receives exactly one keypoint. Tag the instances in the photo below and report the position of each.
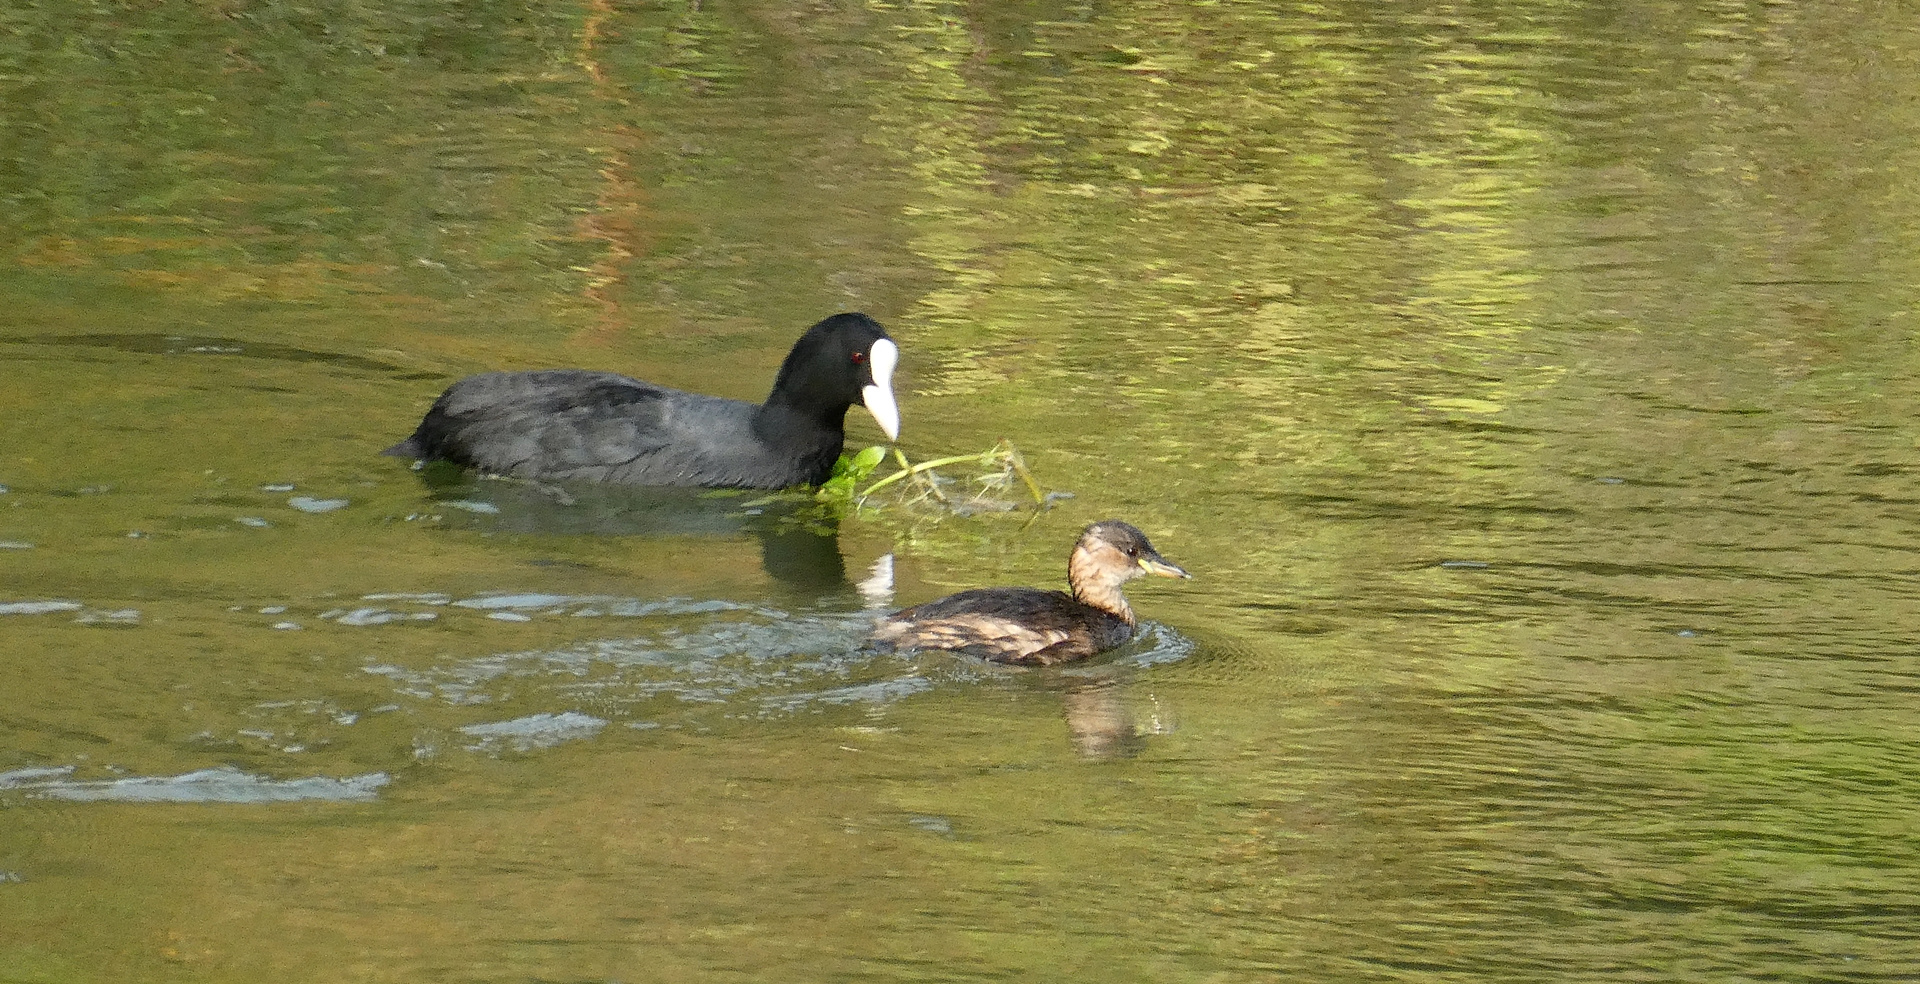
(1111, 550)
(843, 360)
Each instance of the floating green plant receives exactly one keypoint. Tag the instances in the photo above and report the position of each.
(981, 489)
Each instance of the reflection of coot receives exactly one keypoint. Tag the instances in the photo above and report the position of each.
(799, 542)
(804, 560)
(603, 427)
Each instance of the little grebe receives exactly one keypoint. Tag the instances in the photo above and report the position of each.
(1035, 627)
(605, 427)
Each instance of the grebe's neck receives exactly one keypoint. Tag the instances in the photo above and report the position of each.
(1097, 584)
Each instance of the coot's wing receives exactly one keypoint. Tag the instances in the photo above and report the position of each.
(605, 427)
(557, 423)
(696, 439)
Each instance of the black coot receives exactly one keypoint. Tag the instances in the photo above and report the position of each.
(604, 427)
(1027, 625)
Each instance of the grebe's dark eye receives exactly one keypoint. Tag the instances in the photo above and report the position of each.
(859, 357)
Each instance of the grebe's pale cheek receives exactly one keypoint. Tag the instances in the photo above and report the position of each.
(878, 397)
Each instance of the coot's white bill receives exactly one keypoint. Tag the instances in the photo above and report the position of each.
(879, 397)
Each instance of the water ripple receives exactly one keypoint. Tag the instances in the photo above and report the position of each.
(218, 785)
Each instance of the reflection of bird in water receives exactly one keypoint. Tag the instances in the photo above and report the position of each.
(1098, 720)
(799, 542)
(604, 427)
(1034, 627)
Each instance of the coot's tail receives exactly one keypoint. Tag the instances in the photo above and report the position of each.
(409, 448)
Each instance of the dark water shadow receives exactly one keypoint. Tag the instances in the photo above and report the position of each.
(799, 537)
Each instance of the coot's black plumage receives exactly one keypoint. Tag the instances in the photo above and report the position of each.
(605, 427)
(1031, 626)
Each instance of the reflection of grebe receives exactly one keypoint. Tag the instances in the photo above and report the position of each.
(1030, 626)
(1098, 720)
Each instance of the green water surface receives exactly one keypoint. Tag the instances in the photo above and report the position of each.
(1529, 386)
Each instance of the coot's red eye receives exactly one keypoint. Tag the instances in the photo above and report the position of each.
(859, 357)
